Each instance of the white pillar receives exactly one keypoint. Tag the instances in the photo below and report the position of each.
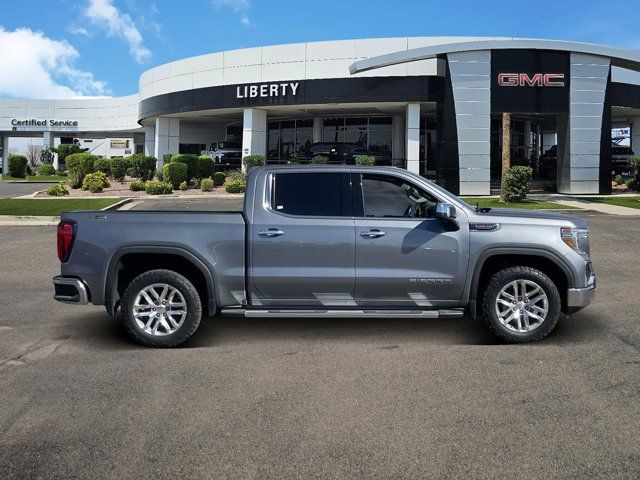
(167, 138)
(254, 132)
(413, 137)
(397, 140)
(5, 155)
(317, 130)
(149, 141)
(47, 142)
(635, 134)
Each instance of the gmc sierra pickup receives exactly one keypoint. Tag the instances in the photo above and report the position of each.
(328, 241)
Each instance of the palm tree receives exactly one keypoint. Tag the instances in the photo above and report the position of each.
(506, 149)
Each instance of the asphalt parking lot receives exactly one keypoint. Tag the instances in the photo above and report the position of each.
(296, 398)
(14, 189)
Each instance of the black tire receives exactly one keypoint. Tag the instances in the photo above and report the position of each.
(191, 300)
(500, 280)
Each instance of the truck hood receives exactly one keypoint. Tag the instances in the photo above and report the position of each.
(515, 213)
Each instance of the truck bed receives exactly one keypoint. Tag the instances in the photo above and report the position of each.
(216, 239)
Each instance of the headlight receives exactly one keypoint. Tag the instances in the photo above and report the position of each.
(576, 238)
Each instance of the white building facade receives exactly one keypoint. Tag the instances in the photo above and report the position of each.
(429, 104)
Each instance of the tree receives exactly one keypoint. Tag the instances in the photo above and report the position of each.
(66, 149)
(506, 150)
(634, 167)
(33, 154)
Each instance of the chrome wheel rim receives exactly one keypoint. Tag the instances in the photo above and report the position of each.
(522, 306)
(159, 309)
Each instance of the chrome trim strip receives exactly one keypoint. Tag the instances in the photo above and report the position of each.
(82, 298)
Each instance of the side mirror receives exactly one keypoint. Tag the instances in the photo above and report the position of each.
(446, 213)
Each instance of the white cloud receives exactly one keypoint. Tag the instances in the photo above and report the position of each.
(103, 14)
(238, 6)
(35, 66)
(78, 30)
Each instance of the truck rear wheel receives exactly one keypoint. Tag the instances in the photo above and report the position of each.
(161, 308)
(521, 304)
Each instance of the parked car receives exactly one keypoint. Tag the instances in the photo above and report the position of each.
(328, 241)
(341, 153)
(225, 153)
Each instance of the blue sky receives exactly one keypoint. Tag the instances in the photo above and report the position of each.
(64, 48)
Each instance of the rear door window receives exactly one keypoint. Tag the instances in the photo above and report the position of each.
(312, 194)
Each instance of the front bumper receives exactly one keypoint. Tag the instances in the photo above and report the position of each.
(578, 298)
(70, 290)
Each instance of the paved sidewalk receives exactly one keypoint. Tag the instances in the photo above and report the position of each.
(583, 203)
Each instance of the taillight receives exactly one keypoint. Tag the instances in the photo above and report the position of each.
(66, 235)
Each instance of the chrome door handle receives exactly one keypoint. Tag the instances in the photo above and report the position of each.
(373, 233)
(271, 232)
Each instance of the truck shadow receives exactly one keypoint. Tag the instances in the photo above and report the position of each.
(102, 331)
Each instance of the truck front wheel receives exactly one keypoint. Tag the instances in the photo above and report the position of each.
(521, 304)
(161, 308)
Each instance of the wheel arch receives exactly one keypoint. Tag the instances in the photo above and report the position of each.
(128, 262)
(493, 260)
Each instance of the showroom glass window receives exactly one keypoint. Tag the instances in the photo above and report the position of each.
(286, 137)
(311, 194)
(372, 133)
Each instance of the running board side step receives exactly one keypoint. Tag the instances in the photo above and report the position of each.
(315, 313)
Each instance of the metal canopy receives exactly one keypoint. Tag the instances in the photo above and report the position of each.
(620, 57)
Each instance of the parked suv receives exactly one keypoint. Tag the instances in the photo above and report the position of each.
(328, 241)
(225, 152)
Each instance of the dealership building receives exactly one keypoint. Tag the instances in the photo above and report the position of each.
(432, 105)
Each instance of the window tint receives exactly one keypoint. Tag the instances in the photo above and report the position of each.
(312, 194)
(387, 196)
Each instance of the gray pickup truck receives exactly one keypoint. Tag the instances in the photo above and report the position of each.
(328, 241)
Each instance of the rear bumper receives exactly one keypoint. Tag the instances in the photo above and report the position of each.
(70, 290)
(578, 298)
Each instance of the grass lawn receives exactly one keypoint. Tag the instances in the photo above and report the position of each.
(51, 207)
(37, 178)
(528, 203)
(631, 201)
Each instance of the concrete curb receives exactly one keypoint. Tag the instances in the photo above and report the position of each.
(18, 220)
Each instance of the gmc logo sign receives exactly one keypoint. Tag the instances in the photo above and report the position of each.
(535, 80)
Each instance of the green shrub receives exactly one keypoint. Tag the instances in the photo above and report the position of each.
(94, 186)
(319, 160)
(144, 167)
(206, 184)
(18, 166)
(102, 165)
(191, 161)
(175, 173)
(159, 175)
(93, 179)
(131, 172)
(196, 183)
(516, 183)
(365, 160)
(183, 186)
(57, 190)
(78, 166)
(251, 161)
(206, 166)
(236, 175)
(634, 165)
(118, 168)
(294, 159)
(166, 158)
(158, 188)
(235, 185)
(219, 178)
(618, 180)
(46, 169)
(632, 184)
(30, 171)
(137, 186)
